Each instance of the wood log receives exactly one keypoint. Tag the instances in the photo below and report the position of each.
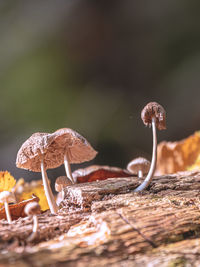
(106, 224)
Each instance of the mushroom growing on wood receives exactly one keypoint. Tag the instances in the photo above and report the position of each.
(32, 209)
(62, 182)
(153, 115)
(35, 155)
(139, 166)
(74, 148)
(7, 197)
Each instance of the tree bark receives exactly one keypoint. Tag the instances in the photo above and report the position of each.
(106, 224)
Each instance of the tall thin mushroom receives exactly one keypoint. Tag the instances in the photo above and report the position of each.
(35, 155)
(153, 115)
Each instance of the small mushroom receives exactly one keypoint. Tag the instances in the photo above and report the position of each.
(76, 149)
(153, 115)
(32, 209)
(7, 197)
(36, 156)
(62, 182)
(139, 166)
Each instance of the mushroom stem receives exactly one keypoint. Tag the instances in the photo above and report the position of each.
(149, 176)
(35, 223)
(140, 174)
(34, 230)
(7, 212)
(68, 168)
(47, 189)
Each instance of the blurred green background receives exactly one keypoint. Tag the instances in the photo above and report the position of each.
(92, 65)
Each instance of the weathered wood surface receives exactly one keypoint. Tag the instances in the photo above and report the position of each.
(105, 224)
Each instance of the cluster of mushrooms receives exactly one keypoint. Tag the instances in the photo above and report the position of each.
(44, 151)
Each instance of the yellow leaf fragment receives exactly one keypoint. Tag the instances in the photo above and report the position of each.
(178, 156)
(33, 188)
(7, 181)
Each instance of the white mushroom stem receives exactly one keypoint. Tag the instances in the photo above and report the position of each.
(140, 174)
(150, 174)
(7, 212)
(47, 189)
(35, 223)
(34, 230)
(68, 168)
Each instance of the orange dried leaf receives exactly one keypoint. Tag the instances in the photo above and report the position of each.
(17, 210)
(98, 172)
(34, 188)
(178, 156)
(7, 181)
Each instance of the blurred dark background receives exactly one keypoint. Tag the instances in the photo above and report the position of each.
(92, 65)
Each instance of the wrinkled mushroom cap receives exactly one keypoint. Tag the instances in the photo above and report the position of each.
(151, 110)
(32, 208)
(61, 182)
(52, 148)
(139, 164)
(33, 149)
(7, 196)
(78, 148)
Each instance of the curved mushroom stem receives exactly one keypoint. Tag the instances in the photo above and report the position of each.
(7, 212)
(140, 174)
(47, 189)
(149, 176)
(35, 229)
(68, 168)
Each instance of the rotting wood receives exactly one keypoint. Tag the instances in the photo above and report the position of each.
(109, 225)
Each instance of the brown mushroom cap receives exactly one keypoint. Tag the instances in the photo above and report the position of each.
(7, 196)
(32, 208)
(30, 154)
(78, 148)
(61, 182)
(139, 164)
(53, 148)
(154, 109)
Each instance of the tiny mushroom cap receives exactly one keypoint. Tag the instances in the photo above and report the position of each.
(61, 182)
(7, 196)
(155, 110)
(32, 208)
(139, 164)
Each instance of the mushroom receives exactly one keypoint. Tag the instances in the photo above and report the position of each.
(153, 115)
(75, 148)
(62, 182)
(36, 156)
(139, 166)
(7, 197)
(31, 210)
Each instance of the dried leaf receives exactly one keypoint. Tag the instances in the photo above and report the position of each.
(26, 190)
(17, 210)
(98, 172)
(179, 156)
(7, 181)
